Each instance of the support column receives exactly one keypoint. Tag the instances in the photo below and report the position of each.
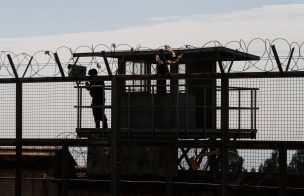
(168, 171)
(161, 69)
(18, 177)
(282, 171)
(64, 171)
(224, 128)
(116, 126)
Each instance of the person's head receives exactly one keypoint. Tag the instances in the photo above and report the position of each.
(92, 72)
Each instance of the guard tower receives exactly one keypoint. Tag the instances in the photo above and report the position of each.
(163, 108)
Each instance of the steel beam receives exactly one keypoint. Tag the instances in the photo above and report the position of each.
(282, 171)
(230, 66)
(289, 60)
(18, 177)
(221, 67)
(27, 67)
(12, 65)
(59, 64)
(106, 63)
(225, 128)
(168, 171)
(276, 56)
(62, 142)
(115, 125)
(185, 155)
(292, 145)
(258, 75)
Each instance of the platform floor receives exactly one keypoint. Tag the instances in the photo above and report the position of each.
(167, 133)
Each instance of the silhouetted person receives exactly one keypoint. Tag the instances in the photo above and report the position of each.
(97, 93)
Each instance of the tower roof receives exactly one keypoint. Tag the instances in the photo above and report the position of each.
(188, 54)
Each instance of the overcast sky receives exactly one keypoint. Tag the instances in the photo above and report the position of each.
(31, 25)
(40, 17)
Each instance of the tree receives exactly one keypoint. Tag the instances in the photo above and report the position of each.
(271, 164)
(297, 162)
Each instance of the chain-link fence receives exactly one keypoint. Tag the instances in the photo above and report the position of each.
(162, 138)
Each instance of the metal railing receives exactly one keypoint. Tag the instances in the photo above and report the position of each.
(64, 180)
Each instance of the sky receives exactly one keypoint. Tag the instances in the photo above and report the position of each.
(36, 18)
(31, 25)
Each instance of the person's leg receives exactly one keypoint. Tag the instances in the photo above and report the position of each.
(97, 124)
(96, 117)
(105, 122)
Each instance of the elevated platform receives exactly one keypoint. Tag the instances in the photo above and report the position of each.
(167, 133)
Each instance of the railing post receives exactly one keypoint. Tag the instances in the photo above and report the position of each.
(282, 171)
(116, 106)
(224, 128)
(18, 177)
(64, 171)
(168, 171)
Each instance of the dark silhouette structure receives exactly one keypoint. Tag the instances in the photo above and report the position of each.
(169, 108)
(176, 116)
(96, 89)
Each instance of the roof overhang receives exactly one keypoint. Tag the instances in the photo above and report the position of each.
(189, 54)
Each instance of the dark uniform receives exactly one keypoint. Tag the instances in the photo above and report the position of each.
(97, 93)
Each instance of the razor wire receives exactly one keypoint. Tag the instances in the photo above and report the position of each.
(43, 64)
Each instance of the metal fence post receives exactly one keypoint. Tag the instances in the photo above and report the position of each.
(168, 172)
(224, 128)
(282, 171)
(64, 171)
(18, 177)
(115, 120)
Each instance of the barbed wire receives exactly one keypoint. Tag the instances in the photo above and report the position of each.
(78, 153)
(43, 63)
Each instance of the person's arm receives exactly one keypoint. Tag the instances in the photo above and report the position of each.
(88, 86)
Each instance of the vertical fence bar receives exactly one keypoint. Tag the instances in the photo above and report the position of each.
(80, 108)
(140, 81)
(168, 172)
(128, 109)
(78, 105)
(177, 115)
(239, 110)
(116, 107)
(152, 109)
(64, 171)
(255, 108)
(188, 111)
(251, 109)
(225, 128)
(282, 171)
(18, 177)
(204, 111)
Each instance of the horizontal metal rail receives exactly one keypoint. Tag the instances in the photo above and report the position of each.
(54, 142)
(292, 145)
(158, 77)
(86, 106)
